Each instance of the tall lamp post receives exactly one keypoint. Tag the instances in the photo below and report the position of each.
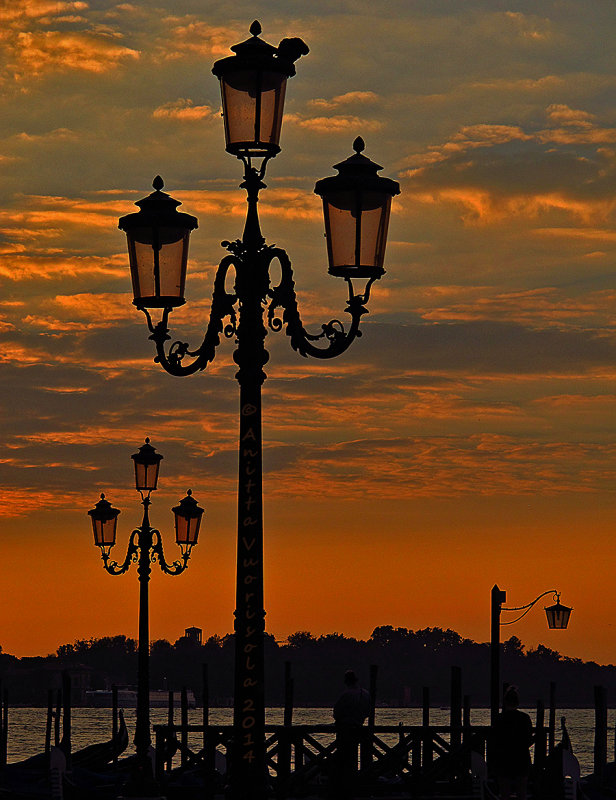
(557, 618)
(356, 205)
(145, 547)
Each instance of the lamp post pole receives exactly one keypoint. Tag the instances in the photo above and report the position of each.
(557, 618)
(497, 599)
(356, 205)
(144, 548)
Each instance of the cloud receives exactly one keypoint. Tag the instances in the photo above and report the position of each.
(182, 109)
(189, 36)
(38, 52)
(348, 98)
(334, 124)
(498, 171)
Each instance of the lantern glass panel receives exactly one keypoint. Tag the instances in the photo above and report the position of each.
(158, 258)
(558, 616)
(252, 106)
(187, 529)
(104, 531)
(356, 226)
(146, 476)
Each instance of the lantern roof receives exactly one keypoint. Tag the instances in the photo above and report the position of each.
(188, 507)
(357, 172)
(103, 510)
(147, 454)
(158, 209)
(257, 54)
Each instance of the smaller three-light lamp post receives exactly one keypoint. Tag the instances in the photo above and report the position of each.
(557, 618)
(145, 548)
(356, 207)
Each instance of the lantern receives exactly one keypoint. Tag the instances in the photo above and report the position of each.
(558, 615)
(187, 520)
(104, 521)
(158, 237)
(147, 462)
(252, 85)
(356, 206)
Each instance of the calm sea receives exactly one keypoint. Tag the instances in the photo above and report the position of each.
(89, 725)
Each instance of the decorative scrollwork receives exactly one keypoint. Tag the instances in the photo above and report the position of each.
(132, 556)
(223, 306)
(284, 296)
(176, 567)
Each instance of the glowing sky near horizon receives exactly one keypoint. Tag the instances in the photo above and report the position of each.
(468, 438)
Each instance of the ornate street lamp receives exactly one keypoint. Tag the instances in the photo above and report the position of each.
(557, 617)
(356, 206)
(145, 548)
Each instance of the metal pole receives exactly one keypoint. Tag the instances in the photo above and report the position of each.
(497, 599)
(142, 725)
(249, 770)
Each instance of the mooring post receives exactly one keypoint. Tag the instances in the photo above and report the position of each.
(184, 726)
(209, 739)
(49, 721)
(170, 731)
(540, 735)
(600, 749)
(5, 728)
(466, 719)
(285, 733)
(552, 718)
(455, 708)
(57, 717)
(368, 733)
(66, 717)
(427, 733)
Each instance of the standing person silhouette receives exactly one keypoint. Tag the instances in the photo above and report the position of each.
(512, 736)
(350, 712)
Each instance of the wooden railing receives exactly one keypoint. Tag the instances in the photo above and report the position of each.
(301, 757)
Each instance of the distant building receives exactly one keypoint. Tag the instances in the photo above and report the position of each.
(194, 635)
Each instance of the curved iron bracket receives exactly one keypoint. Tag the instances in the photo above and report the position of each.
(223, 305)
(158, 556)
(132, 556)
(333, 332)
(525, 609)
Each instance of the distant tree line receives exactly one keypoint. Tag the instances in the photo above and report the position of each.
(407, 661)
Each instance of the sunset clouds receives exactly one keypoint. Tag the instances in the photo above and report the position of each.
(476, 413)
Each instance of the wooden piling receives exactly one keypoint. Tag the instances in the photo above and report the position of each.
(600, 748)
(552, 718)
(171, 733)
(288, 695)
(427, 735)
(48, 724)
(4, 741)
(57, 718)
(540, 738)
(205, 712)
(66, 717)
(466, 719)
(114, 719)
(184, 723)
(285, 734)
(455, 708)
(365, 747)
(209, 738)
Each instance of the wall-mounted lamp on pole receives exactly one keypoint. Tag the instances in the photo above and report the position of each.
(557, 617)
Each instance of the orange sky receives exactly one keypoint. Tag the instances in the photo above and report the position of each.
(466, 439)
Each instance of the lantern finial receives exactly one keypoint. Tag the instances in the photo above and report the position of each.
(255, 28)
(359, 145)
(158, 183)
